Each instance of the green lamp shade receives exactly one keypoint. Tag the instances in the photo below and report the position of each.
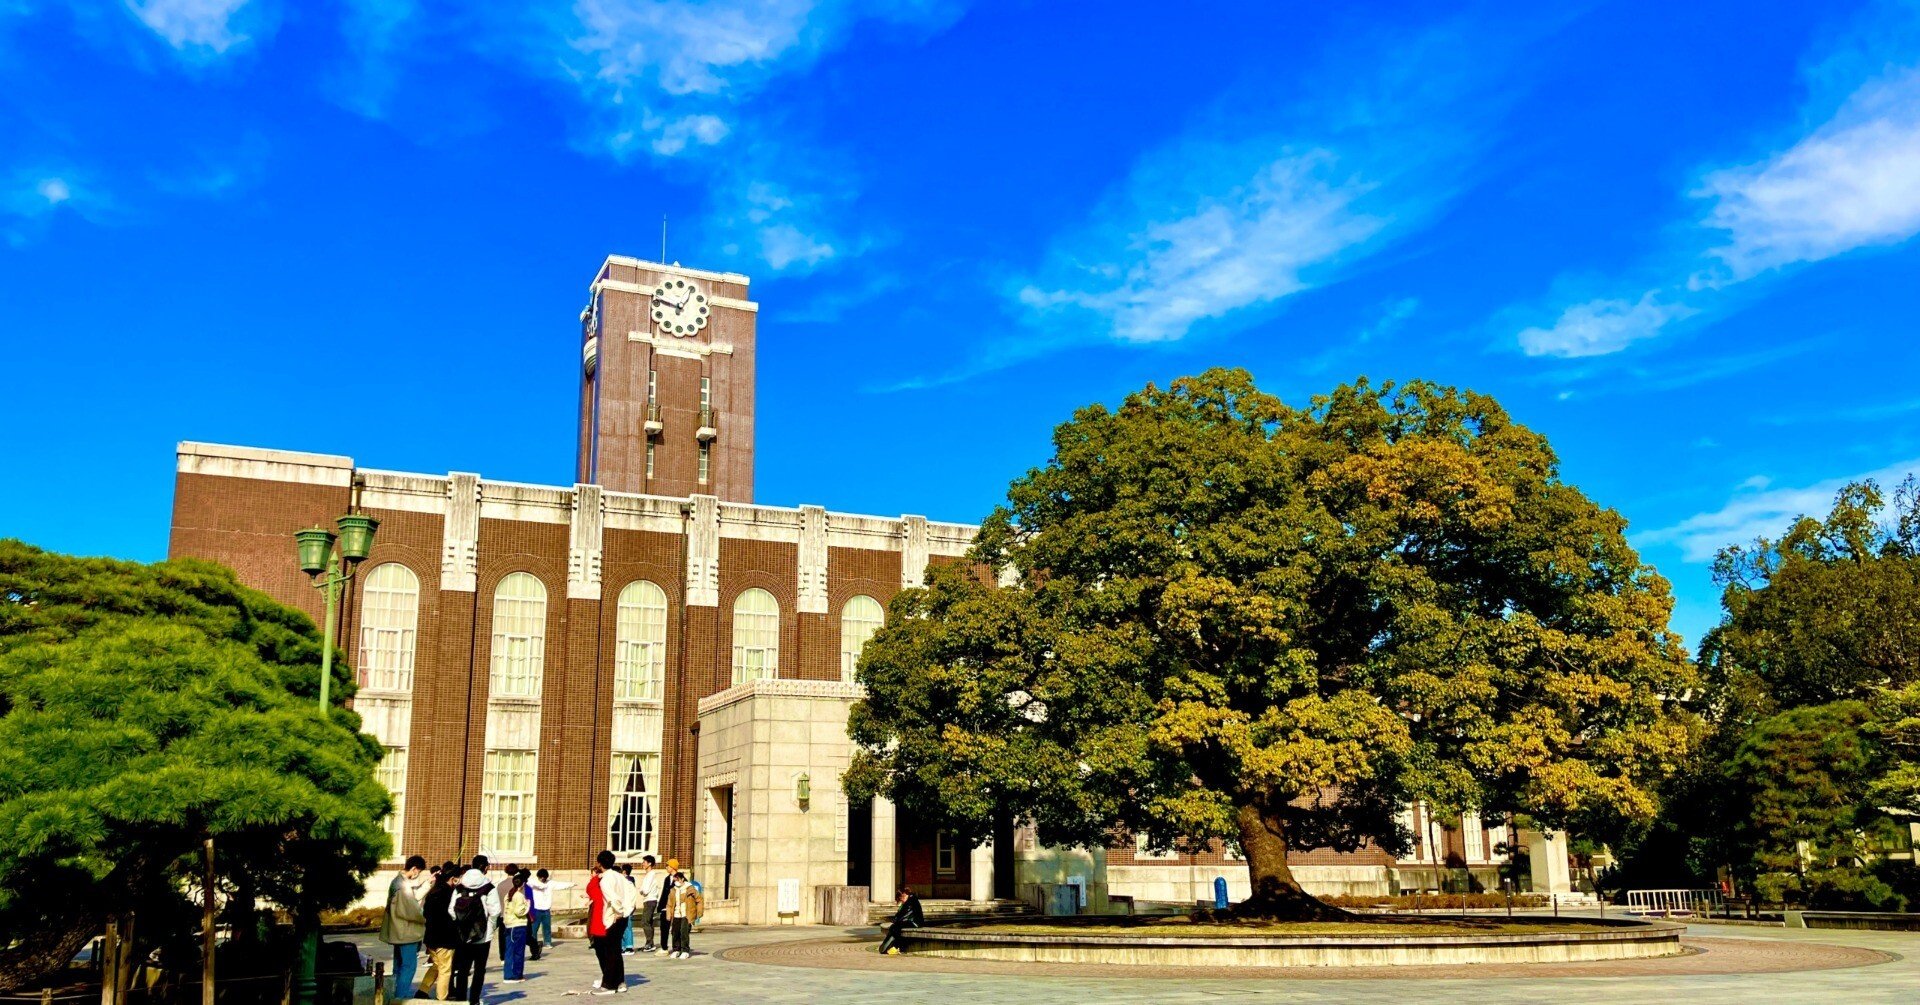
(316, 544)
(802, 789)
(356, 536)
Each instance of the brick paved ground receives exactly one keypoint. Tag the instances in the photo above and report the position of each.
(1748, 966)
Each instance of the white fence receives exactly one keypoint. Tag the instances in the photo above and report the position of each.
(1672, 903)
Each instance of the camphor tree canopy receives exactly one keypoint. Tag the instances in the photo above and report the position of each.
(1272, 625)
(144, 708)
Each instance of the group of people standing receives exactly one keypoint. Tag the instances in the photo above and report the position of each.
(456, 914)
(665, 901)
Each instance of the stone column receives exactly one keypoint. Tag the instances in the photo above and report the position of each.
(981, 868)
(1547, 859)
(885, 852)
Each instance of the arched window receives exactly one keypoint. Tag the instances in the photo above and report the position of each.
(519, 636)
(756, 636)
(640, 642)
(389, 623)
(858, 621)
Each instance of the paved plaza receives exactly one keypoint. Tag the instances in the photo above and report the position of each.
(1771, 966)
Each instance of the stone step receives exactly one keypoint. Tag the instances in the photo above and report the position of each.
(879, 914)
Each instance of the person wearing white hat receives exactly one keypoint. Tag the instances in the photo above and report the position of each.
(475, 907)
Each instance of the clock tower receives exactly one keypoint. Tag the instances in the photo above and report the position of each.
(666, 389)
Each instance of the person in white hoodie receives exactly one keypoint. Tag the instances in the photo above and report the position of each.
(475, 908)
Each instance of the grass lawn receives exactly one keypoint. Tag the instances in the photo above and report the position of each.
(1187, 928)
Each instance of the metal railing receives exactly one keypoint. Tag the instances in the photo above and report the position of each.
(1672, 903)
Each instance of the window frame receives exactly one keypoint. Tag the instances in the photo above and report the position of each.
(380, 604)
(756, 644)
(524, 772)
(851, 648)
(525, 650)
(646, 602)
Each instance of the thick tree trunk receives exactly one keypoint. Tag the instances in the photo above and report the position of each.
(1276, 894)
(42, 951)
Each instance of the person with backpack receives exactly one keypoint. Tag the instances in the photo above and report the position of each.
(684, 905)
(515, 906)
(439, 939)
(475, 907)
(405, 923)
(609, 902)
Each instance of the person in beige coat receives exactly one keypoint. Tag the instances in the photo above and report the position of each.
(405, 923)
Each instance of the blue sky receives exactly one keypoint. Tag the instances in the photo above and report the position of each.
(1676, 238)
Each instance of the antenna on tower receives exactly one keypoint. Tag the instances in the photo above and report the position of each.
(663, 237)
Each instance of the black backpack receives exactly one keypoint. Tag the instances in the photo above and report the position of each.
(470, 915)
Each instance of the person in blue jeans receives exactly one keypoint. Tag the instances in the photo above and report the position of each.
(405, 923)
(516, 905)
(626, 936)
(540, 929)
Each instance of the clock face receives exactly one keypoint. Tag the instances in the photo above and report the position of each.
(680, 308)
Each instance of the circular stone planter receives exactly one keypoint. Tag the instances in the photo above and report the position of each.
(1617, 940)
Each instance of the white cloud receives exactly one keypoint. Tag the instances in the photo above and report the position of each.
(1220, 252)
(1757, 509)
(673, 137)
(1851, 182)
(1854, 182)
(788, 230)
(192, 24)
(1599, 327)
(672, 73)
(54, 190)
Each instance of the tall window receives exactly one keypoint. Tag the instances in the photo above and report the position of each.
(706, 393)
(649, 458)
(389, 618)
(653, 385)
(640, 646)
(946, 861)
(756, 637)
(1473, 837)
(392, 773)
(858, 621)
(630, 810)
(506, 802)
(519, 636)
(706, 461)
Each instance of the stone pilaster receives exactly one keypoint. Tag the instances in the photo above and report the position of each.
(913, 552)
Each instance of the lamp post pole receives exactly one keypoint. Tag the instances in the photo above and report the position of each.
(330, 572)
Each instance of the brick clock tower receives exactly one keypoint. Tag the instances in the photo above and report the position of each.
(666, 392)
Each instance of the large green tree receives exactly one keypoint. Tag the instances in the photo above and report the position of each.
(1812, 681)
(1236, 619)
(1830, 611)
(1799, 784)
(144, 708)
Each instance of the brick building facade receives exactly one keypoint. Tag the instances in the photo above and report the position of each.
(645, 659)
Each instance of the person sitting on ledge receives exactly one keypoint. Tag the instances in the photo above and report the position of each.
(908, 916)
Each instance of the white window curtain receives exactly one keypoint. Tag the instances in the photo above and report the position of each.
(858, 621)
(506, 802)
(640, 646)
(631, 818)
(519, 636)
(392, 773)
(756, 637)
(389, 626)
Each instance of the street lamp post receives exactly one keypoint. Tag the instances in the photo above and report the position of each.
(330, 574)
